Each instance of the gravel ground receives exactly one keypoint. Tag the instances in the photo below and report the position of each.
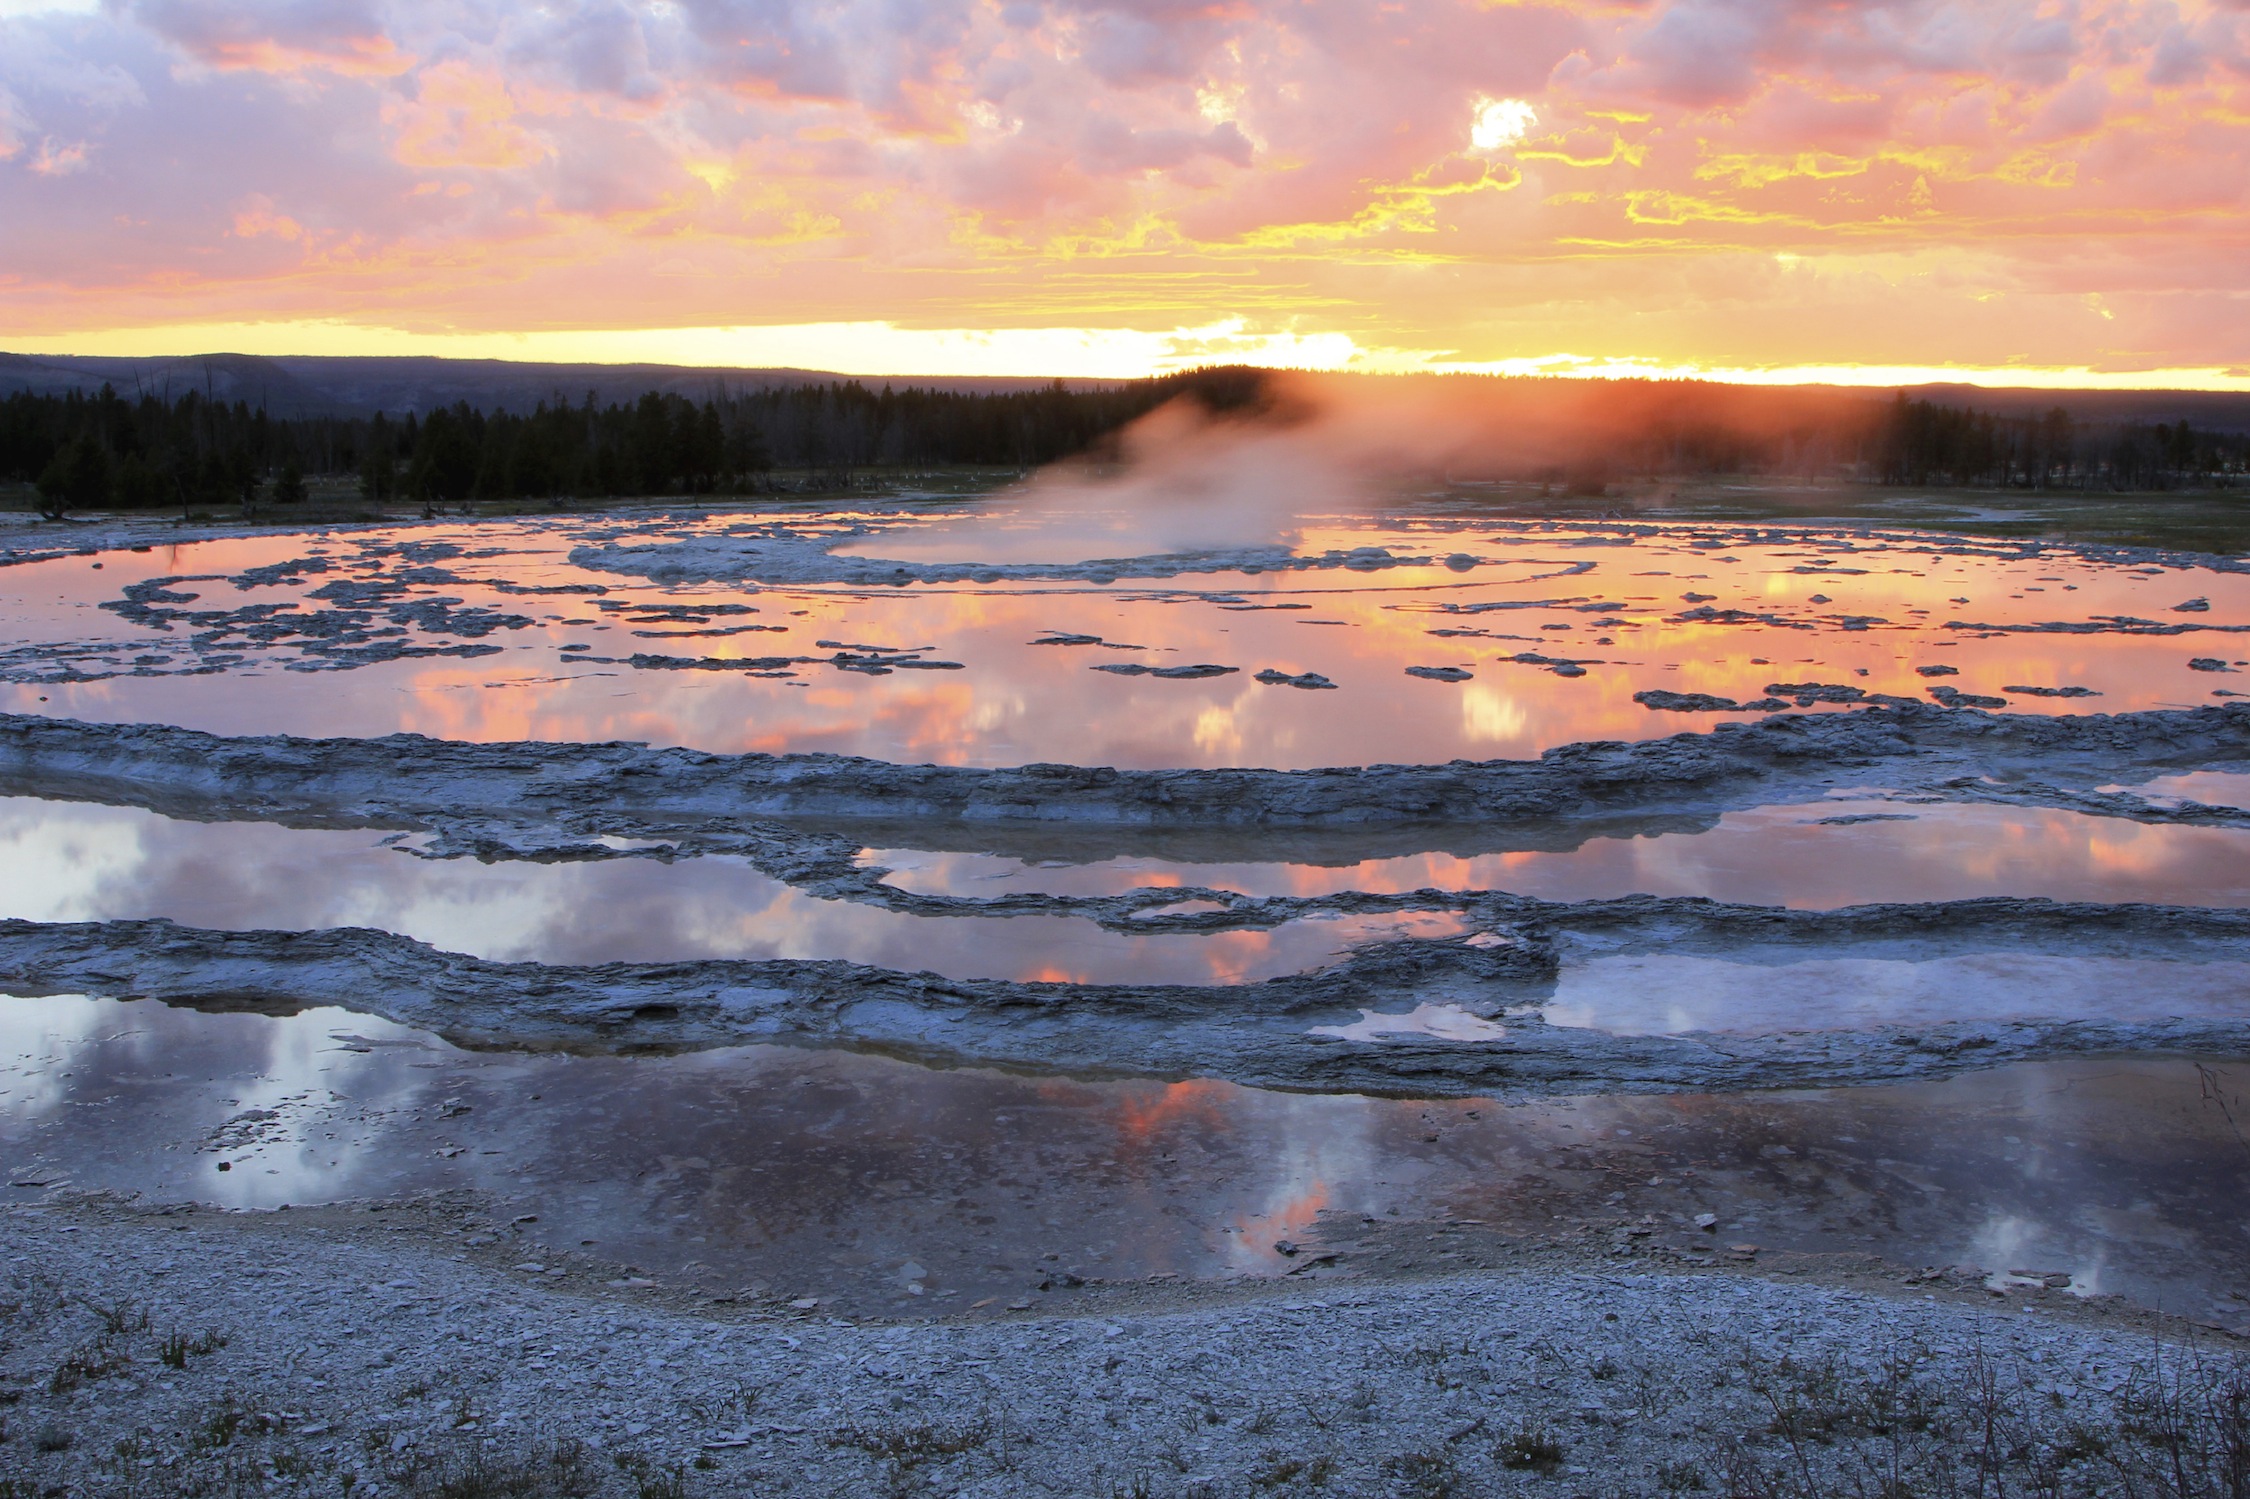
(177, 1351)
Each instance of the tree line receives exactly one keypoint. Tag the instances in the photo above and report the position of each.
(102, 451)
(1921, 442)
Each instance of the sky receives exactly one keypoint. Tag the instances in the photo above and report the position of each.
(2014, 191)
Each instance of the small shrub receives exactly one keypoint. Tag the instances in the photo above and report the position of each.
(481, 1470)
(1297, 1474)
(1531, 1448)
(219, 1426)
(910, 1446)
(87, 1363)
(666, 1483)
(1425, 1475)
(175, 1348)
(1278, 1471)
(120, 1319)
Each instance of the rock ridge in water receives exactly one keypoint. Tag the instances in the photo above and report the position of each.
(1277, 1034)
(410, 776)
(776, 554)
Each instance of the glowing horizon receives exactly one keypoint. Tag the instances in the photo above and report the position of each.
(883, 351)
(1744, 190)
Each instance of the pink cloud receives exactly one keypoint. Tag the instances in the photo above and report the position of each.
(2076, 110)
(58, 158)
(1794, 116)
(258, 219)
(338, 35)
(1698, 53)
(458, 115)
(1292, 159)
(15, 125)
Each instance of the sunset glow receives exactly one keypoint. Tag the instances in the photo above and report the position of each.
(2016, 193)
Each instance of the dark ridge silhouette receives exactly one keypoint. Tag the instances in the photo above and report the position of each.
(317, 385)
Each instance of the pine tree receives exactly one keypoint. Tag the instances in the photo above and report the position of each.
(79, 478)
(378, 468)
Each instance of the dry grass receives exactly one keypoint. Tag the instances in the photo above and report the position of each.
(2177, 1428)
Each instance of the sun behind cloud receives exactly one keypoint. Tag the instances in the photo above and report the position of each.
(1501, 122)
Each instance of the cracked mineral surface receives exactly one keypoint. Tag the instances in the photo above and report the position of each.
(880, 632)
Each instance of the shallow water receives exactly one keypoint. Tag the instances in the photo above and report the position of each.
(1810, 856)
(834, 1175)
(1675, 994)
(1690, 608)
(72, 861)
(2217, 788)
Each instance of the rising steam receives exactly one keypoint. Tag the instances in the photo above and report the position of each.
(1190, 479)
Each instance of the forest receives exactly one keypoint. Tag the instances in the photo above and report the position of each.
(101, 451)
(1925, 443)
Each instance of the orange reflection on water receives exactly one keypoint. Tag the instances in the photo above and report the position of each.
(1144, 1113)
(1291, 1217)
(1793, 855)
(1016, 702)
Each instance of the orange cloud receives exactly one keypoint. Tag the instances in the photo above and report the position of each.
(257, 220)
(460, 117)
(345, 39)
(359, 57)
(1742, 183)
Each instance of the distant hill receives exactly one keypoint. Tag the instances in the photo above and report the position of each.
(312, 385)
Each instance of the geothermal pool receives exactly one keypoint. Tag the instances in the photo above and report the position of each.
(1869, 889)
(794, 634)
